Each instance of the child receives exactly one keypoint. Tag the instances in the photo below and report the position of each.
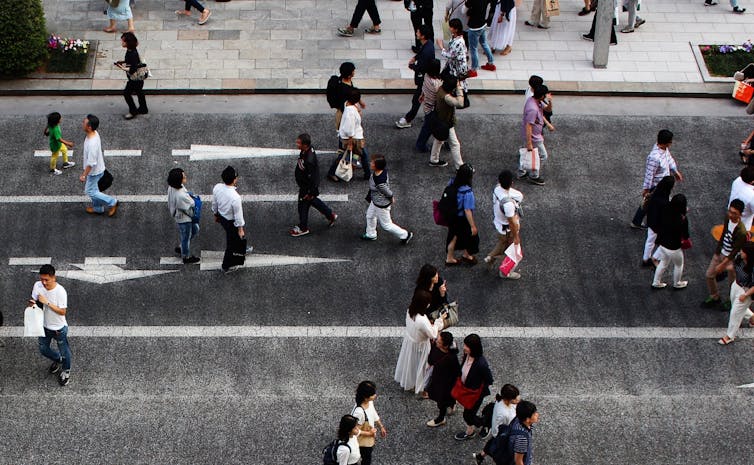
(368, 420)
(503, 413)
(57, 143)
(380, 198)
(535, 81)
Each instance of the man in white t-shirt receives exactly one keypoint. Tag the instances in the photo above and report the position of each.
(743, 188)
(51, 296)
(94, 169)
(505, 208)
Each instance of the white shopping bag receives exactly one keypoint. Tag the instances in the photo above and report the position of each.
(513, 256)
(34, 318)
(528, 161)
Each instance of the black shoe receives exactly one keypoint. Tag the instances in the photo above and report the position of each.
(408, 238)
(538, 181)
(638, 226)
(710, 3)
(438, 163)
(583, 12)
(462, 436)
(484, 432)
(738, 10)
(54, 368)
(587, 37)
(190, 260)
(64, 378)
(478, 457)
(177, 250)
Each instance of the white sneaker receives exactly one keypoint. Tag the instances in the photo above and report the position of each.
(56, 172)
(512, 275)
(681, 285)
(402, 123)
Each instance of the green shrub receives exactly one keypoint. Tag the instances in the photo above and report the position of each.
(724, 60)
(22, 37)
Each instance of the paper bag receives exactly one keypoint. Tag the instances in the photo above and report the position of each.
(552, 7)
(513, 256)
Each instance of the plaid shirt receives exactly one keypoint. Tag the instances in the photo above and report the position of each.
(660, 163)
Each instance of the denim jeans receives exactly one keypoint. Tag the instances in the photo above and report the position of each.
(187, 230)
(99, 200)
(303, 210)
(475, 38)
(534, 174)
(64, 352)
(424, 133)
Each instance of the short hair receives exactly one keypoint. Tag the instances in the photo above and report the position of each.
(456, 24)
(347, 423)
(738, 204)
(354, 96)
(47, 269)
(53, 119)
(474, 343)
(305, 139)
(228, 175)
(449, 82)
(379, 162)
(447, 338)
(365, 390)
(664, 136)
(346, 69)
(426, 31)
(525, 410)
(535, 81)
(175, 178)
(433, 68)
(130, 39)
(507, 392)
(93, 122)
(505, 178)
(540, 91)
(747, 174)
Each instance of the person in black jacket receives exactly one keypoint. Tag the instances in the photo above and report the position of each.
(421, 14)
(419, 64)
(659, 198)
(443, 358)
(307, 178)
(674, 229)
(475, 373)
(130, 64)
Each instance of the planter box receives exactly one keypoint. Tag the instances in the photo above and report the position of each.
(88, 61)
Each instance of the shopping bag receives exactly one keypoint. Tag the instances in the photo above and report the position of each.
(552, 7)
(528, 161)
(344, 171)
(743, 91)
(34, 318)
(513, 256)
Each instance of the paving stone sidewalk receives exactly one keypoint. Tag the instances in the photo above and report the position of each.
(289, 45)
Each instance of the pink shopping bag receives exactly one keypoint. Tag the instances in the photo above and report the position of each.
(513, 256)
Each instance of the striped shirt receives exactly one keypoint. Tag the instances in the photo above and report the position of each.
(660, 163)
(728, 239)
(522, 440)
(743, 278)
(429, 90)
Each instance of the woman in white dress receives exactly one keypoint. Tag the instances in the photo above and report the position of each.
(503, 27)
(411, 371)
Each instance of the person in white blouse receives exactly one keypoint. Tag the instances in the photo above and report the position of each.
(368, 420)
(348, 431)
(502, 414)
(411, 371)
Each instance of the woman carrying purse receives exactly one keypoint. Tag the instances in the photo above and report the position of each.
(475, 376)
(368, 420)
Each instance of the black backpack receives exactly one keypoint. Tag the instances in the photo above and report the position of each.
(332, 91)
(500, 447)
(330, 452)
(448, 204)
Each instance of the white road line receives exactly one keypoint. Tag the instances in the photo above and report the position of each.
(171, 261)
(11, 199)
(499, 332)
(104, 261)
(24, 261)
(221, 152)
(750, 385)
(107, 153)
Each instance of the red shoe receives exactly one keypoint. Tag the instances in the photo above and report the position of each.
(489, 67)
(472, 73)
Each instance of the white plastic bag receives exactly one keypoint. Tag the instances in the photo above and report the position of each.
(528, 161)
(34, 318)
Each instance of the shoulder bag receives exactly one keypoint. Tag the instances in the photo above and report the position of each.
(344, 171)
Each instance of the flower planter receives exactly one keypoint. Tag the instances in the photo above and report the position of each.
(717, 63)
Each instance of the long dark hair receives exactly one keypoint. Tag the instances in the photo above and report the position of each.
(664, 187)
(748, 249)
(424, 281)
(464, 175)
(419, 303)
(347, 423)
(364, 391)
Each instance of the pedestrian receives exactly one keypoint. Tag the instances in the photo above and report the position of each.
(347, 452)
(368, 6)
(539, 18)
(733, 237)
(634, 21)
(532, 132)
(368, 420)
(674, 229)
(443, 358)
(226, 205)
(421, 14)
(660, 163)
(428, 98)
(94, 169)
(475, 375)
(419, 63)
(119, 10)
(53, 299)
(477, 11)
(431, 281)
(741, 290)
(454, 9)
(205, 12)
(588, 7)
(411, 369)
(503, 29)
(503, 414)
(733, 3)
(743, 188)
(381, 199)
(351, 134)
(535, 81)
(590, 35)
(182, 208)
(58, 145)
(338, 90)
(655, 207)
(456, 64)
(130, 65)
(505, 213)
(462, 230)
(449, 97)
(520, 440)
(307, 179)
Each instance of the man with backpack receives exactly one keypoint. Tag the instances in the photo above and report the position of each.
(513, 444)
(506, 210)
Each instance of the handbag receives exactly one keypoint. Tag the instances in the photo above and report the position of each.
(437, 214)
(34, 318)
(686, 244)
(142, 72)
(465, 396)
(344, 171)
(105, 181)
(743, 91)
(439, 129)
(528, 161)
(364, 441)
(452, 318)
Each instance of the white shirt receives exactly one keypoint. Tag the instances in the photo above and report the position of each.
(350, 124)
(346, 458)
(358, 412)
(57, 297)
(93, 154)
(502, 415)
(509, 208)
(740, 190)
(227, 202)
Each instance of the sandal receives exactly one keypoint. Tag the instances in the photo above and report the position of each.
(725, 340)
(470, 260)
(455, 263)
(203, 19)
(181, 13)
(110, 31)
(373, 30)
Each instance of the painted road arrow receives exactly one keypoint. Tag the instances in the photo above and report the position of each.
(750, 385)
(100, 270)
(212, 260)
(222, 152)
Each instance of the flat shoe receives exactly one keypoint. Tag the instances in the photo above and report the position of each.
(452, 263)
(204, 21)
(724, 342)
(471, 261)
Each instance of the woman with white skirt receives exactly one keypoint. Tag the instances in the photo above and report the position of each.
(503, 27)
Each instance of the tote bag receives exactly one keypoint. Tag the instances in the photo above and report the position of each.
(465, 396)
(344, 171)
(528, 161)
(34, 318)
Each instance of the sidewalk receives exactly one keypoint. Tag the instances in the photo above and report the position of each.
(291, 45)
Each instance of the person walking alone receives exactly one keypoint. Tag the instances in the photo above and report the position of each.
(307, 178)
(226, 205)
(182, 208)
(381, 199)
(94, 169)
(130, 65)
